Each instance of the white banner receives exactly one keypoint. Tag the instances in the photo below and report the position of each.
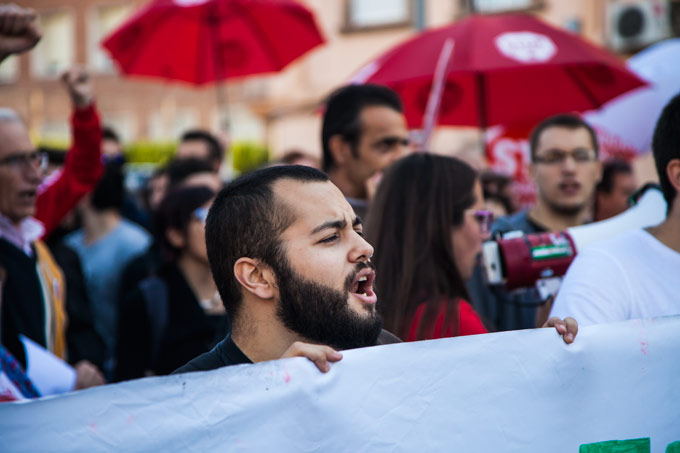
(513, 391)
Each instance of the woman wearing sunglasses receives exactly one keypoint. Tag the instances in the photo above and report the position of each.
(427, 224)
(176, 315)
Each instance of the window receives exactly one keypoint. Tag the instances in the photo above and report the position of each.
(169, 122)
(9, 69)
(496, 6)
(366, 14)
(124, 123)
(55, 51)
(105, 19)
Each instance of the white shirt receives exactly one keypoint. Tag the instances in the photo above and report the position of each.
(29, 230)
(631, 276)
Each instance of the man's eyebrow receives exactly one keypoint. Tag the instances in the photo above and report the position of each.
(334, 224)
(357, 221)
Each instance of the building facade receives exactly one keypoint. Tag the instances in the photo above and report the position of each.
(280, 110)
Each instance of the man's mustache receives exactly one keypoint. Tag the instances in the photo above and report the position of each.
(358, 268)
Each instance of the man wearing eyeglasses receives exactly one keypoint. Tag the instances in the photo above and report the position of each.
(566, 170)
(635, 274)
(33, 286)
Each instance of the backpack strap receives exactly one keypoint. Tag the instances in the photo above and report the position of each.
(155, 294)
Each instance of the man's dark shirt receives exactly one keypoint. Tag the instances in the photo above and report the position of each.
(226, 353)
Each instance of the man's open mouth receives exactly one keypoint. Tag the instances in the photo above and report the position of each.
(362, 286)
(27, 194)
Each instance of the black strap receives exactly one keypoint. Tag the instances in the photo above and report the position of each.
(156, 301)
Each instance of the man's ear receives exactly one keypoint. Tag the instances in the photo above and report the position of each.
(340, 149)
(175, 238)
(255, 277)
(673, 173)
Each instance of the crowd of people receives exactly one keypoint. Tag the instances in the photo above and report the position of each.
(195, 273)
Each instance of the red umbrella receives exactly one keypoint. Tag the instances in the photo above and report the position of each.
(201, 41)
(504, 69)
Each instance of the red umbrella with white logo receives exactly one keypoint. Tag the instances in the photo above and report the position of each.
(501, 69)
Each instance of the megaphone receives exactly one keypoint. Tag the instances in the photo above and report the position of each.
(521, 261)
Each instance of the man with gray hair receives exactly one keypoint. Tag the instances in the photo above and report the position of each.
(34, 298)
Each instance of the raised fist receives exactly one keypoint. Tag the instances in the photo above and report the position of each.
(19, 30)
(79, 86)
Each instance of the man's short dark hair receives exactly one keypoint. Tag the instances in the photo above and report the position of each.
(342, 114)
(610, 169)
(565, 120)
(110, 190)
(215, 151)
(666, 145)
(179, 170)
(109, 134)
(246, 220)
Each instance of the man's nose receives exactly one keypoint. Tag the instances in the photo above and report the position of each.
(362, 250)
(33, 173)
(569, 164)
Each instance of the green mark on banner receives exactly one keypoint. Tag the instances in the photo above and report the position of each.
(673, 447)
(618, 446)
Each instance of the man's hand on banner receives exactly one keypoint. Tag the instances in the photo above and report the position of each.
(567, 327)
(321, 355)
(88, 375)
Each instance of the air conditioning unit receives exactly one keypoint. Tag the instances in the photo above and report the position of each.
(632, 26)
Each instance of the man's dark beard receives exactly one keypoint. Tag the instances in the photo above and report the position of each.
(322, 314)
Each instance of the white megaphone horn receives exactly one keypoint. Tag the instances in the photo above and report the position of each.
(519, 260)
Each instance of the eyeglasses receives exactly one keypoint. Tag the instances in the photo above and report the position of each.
(18, 161)
(559, 157)
(201, 214)
(485, 219)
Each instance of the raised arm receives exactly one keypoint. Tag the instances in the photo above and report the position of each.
(83, 166)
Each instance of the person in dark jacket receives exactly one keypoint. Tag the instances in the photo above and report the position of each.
(176, 315)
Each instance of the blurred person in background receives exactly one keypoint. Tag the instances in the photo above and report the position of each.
(106, 243)
(427, 224)
(498, 196)
(363, 131)
(35, 295)
(297, 157)
(188, 172)
(192, 172)
(201, 144)
(613, 193)
(177, 315)
(634, 275)
(112, 148)
(565, 168)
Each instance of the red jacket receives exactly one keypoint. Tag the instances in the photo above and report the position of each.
(80, 174)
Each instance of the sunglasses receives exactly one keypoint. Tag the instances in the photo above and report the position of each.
(485, 219)
(201, 214)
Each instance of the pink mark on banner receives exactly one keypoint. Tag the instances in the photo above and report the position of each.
(130, 419)
(644, 344)
(93, 427)
(286, 377)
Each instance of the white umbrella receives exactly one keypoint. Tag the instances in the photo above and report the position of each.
(630, 118)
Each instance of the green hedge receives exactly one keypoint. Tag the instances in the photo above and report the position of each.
(243, 156)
